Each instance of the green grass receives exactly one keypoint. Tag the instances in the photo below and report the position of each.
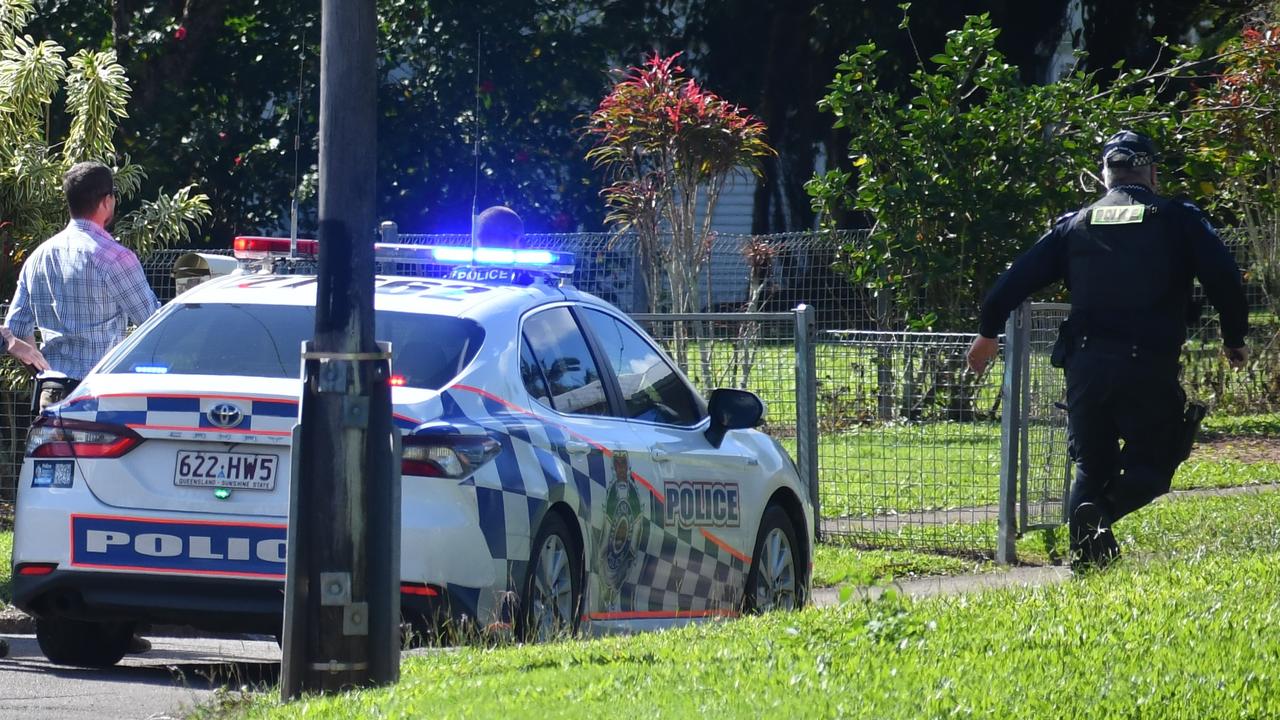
(834, 565)
(1225, 473)
(1183, 627)
(6, 567)
(1261, 424)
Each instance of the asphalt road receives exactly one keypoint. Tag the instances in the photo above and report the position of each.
(176, 675)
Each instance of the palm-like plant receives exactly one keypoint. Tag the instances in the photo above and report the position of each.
(32, 162)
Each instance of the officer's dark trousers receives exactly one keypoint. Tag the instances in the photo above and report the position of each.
(1125, 420)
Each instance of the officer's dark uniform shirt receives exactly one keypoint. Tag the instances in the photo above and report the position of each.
(1129, 260)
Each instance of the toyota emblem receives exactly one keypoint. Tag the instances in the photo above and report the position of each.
(225, 415)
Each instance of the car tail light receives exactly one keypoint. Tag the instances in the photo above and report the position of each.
(423, 589)
(53, 437)
(446, 456)
(35, 569)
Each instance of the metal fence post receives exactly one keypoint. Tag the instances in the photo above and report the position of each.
(807, 410)
(1015, 337)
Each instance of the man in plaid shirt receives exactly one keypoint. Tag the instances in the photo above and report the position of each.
(80, 287)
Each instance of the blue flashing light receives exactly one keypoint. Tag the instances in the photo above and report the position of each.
(548, 261)
(151, 369)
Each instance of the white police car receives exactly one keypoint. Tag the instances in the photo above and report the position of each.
(558, 471)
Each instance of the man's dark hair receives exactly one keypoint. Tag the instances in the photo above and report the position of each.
(85, 184)
(499, 226)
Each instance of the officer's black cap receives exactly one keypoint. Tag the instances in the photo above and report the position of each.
(1128, 149)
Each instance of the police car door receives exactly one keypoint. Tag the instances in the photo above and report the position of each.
(577, 402)
(700, 551)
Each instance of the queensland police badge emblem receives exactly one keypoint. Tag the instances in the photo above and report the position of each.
(622, 526)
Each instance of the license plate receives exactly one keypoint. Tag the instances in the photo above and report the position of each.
(243, 471)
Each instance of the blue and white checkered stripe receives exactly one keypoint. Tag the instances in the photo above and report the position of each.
(185, 412)
(676, 569)
(169, 412)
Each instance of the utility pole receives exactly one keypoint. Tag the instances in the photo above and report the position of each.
(342, 595)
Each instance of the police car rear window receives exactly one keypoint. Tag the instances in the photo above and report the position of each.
(427, 351)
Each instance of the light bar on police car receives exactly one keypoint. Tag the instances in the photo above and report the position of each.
(548, 261)
(551, 261)
(256, 248)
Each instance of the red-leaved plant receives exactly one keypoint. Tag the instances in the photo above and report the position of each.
(662, 138)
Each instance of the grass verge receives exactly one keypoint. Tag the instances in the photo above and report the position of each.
(1181, 628)
(6, 568)
(834, 564)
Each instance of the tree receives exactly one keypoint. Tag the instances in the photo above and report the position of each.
(959, 173)
(669, 145)
(1233, 137)
(227, 87)
(33, 76)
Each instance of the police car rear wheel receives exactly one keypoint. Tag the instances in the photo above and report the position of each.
(552, 590)
(83, 644)
(774, 581)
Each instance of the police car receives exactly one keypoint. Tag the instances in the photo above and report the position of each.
(559, 473)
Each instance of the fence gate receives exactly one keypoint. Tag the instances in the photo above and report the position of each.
(1035, 470)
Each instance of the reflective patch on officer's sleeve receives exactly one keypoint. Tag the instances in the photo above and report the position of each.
(1117, 215)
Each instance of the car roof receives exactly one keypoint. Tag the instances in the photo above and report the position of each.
(431, 296)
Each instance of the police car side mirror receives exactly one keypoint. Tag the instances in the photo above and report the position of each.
(732, 409)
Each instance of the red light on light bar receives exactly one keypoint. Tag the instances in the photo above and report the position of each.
(396, 381)
(418, 589)
(248, 246)
(30, 569)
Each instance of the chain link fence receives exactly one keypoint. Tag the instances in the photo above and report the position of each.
(1045, 470)
(908, 441)
(904, 447)
(788, 270)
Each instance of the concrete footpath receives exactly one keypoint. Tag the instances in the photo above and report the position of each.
(1028, 576)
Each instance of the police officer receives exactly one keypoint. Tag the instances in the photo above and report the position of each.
(1128, 260)
(499, 226)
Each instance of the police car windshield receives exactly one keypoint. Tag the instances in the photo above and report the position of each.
(255, 340)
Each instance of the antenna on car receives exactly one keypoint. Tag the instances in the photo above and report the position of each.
(475, 190)
(297, 140)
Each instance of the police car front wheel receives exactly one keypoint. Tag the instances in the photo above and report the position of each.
(774, 582)
(84, 644)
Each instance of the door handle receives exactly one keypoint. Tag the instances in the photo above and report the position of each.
(577, 447)
(661, 456)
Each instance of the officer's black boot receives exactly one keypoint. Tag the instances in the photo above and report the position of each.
(1093, 545)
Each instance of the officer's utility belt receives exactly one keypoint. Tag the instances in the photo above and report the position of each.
(1123, 348)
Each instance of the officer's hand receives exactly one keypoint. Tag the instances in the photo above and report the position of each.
(1236, 357)
(27, 354)
(981, 352)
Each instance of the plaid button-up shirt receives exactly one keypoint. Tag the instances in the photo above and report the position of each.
(81, 288)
